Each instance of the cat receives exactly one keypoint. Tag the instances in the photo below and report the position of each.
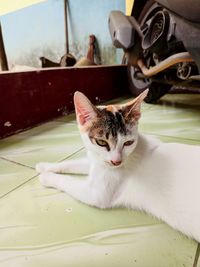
(128, 169)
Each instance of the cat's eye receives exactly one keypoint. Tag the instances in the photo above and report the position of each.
(101, 142)
(129, 143)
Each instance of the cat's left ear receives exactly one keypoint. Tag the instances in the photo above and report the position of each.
(85, 110)
(132, 109)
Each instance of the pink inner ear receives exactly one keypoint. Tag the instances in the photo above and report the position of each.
(83, 116)
(136, 114)
(133, 108)
(85, 111)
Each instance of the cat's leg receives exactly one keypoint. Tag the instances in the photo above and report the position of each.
(80, 189)
(77, 166)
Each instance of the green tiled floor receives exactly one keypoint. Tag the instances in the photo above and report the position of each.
(44, 227)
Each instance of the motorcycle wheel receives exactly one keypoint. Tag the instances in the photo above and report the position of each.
(137, 86)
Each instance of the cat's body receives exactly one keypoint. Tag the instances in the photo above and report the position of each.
(131, 170)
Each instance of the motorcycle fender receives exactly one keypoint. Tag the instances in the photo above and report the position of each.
(121, 29)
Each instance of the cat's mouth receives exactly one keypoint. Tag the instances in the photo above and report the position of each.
(114, 164)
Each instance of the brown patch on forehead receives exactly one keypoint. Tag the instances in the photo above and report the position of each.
(112, 108)
(108, 124)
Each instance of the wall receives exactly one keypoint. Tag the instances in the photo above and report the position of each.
(39, 31)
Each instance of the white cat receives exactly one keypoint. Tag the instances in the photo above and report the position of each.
(127, 169)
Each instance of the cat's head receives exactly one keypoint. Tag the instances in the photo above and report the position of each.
(109, 132)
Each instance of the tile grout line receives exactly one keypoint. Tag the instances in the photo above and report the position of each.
(17, 163)
(17, 187)
(32, 168)
(197, 254)
(71, 155)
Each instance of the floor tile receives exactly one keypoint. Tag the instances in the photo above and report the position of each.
(41, 225)
(13, 175)
(51, 141)
(171, 139)
(121, 247)
(174, 117)
(180, 101)
(69, 118)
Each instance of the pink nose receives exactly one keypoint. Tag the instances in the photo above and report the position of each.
(116, 163)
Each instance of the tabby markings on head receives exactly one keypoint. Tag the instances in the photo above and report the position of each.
(110, 121)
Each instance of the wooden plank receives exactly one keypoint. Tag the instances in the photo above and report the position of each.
(30, 98)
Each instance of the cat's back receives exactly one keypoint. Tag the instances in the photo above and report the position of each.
(171, 161)
(179, 151)
(178, 162)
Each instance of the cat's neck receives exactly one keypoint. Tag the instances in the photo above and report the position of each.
(145, 146)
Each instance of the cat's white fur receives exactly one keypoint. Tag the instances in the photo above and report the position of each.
(162, 179)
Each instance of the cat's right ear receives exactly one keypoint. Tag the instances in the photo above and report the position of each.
(85, 110)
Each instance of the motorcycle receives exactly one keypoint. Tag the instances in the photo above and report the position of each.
(161, 45)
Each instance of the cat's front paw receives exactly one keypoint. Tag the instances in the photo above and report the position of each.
(43, 167)
(47, 179)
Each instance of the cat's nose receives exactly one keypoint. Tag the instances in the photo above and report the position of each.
(116, 163)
